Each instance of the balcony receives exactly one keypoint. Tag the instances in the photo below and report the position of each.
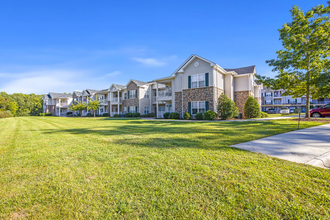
(167, 94)
(115, 100)
(277, 103)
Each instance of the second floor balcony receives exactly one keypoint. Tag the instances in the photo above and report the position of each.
(166, 94)
(116, 100)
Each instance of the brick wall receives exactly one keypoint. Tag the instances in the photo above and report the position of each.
(131, 102)
(240, 99)
(209, 94)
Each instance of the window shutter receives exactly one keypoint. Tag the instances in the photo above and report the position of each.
(135, 93)
(128, 94)
(206, 105)
(136, 109)
(206, 79)
(189, 106)
(189, 82)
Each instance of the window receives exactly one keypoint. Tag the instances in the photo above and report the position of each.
(125, 95)
(197, 107)
(161, 108)
(268, 102)
(267, 94)
(132, 109)
(132, 94)
(327, 107)
(146, 109)
(101, 110)
(125, 109)
(198, 80)
(146, 95)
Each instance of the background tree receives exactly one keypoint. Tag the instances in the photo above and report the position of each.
(79, 106)
(93, 105)
(252, 108)
(303, 64)
(226, 108)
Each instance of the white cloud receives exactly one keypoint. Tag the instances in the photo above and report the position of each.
(115, 73)
(150, 61)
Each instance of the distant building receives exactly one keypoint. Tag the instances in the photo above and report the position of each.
(273, 99)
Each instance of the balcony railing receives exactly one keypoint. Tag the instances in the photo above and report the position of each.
(116, 99)
(277, 103)
(165, 94)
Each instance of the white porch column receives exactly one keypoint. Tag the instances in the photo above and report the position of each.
(157, 99)
(118, 101)
(59, 112)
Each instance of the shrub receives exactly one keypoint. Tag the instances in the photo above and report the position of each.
(6, 114)
(105, 115)
(137, 114)
(118, 115)
(187, 116)
(174, 115)
(89, 114)
(78, 115)
(252, 108)
(42, 114)
(226, 108)
(151, 114)
(210, 115)
(166, 115)
(199, 116)
(49, 114)
(266, 115)
(129, 114)
(262, 114)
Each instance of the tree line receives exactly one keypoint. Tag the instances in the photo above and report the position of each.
(19, 104)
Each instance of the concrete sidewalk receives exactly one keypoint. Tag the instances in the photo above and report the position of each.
(308, 146)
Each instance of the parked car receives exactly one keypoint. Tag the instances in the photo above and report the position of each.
(323, 111)
(271, 111)
(285, 111)
(291, 110)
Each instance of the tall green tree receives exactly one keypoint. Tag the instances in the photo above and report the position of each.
(93, 105)
(78, 106)
(303, 65)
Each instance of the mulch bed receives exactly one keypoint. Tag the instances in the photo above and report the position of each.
(313, 119)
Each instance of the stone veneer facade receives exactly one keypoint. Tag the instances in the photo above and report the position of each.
(51, 109)
(131, 102)
(210, 94)
(178, 102)
(240, 99)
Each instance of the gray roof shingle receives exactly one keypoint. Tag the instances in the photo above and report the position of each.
(92, 91)
(55, 95)
(119, 86)
(243, 70)
(139, 83)
(77, 93)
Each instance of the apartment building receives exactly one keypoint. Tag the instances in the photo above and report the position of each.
(57, 103)
(274, 99)
(194, 86)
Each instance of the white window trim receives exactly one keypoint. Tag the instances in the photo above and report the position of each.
(191, 76)
(191, 110)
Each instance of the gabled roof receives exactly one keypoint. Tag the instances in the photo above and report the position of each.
(55, 95)
(119, 87)
(92, 91)
(77, 93)
(189, 60)
(137, 82)
(243, 70)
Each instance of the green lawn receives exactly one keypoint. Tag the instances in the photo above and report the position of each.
(86, 168)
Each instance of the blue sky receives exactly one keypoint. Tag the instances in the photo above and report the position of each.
(61, 46)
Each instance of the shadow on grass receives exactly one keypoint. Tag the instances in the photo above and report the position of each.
(163, 134)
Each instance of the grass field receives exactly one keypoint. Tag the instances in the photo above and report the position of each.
(281, 115)
(86, 168)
